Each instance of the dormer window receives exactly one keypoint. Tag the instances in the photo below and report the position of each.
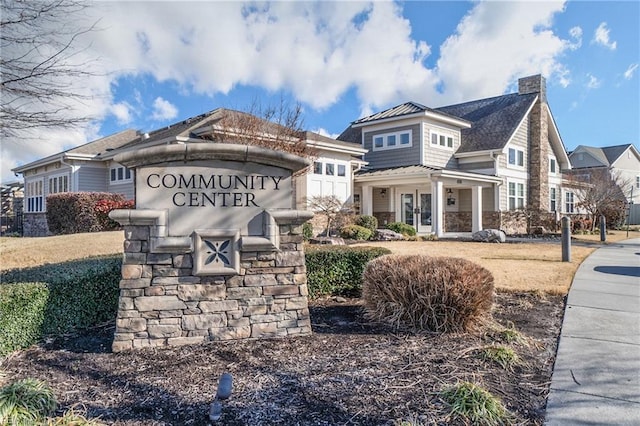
(393, 140)
(439, 139)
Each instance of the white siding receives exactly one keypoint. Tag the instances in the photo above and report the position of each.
(330, 184)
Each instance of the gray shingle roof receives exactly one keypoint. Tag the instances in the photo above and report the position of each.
(614, 152)
(493, 120)
(105, 144)
(606, 155)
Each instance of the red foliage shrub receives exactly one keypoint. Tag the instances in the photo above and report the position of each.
(76, 212)
(103, 208)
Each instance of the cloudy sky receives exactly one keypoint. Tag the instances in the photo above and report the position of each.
(161, 62)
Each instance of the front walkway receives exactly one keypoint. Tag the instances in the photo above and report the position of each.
(596, 378)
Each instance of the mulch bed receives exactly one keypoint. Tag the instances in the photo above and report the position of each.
(349, 372)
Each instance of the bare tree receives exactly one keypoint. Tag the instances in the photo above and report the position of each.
(277, 127)
(40, 61)
(329, 206)
(602, 193)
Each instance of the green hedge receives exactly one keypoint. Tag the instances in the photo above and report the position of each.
(22, 308)
(337, 270)
(355, 232)
(369, 222)
(55, 299)
(402, 228)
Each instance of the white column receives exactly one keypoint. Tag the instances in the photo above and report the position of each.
(367, 200)
(437, 208)
(476, 208)
(392, 199)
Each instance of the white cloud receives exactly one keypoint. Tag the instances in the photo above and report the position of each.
(324, 132)
(496, 43)
(593, 82)
(317, 51)
(601, 37)
(122, 112)
(576, 35)
(163, 110)
(628, 74)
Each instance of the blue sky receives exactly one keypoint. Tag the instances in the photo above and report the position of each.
(161, 62)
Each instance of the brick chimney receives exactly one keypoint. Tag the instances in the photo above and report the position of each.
(538, 142)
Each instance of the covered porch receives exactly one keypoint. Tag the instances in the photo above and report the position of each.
(433, 201)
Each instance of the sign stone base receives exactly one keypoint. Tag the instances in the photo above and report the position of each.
(162, 303)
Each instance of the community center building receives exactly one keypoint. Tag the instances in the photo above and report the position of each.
(489, 163)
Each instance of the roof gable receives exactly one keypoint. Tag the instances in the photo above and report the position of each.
(601, 157)
(613, 153)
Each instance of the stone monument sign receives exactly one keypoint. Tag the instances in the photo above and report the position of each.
(213, 249)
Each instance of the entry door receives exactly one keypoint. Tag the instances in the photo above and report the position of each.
(407, 208)
(420, 217)
(424, 217)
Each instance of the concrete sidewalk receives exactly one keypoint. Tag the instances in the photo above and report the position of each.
(596, 378)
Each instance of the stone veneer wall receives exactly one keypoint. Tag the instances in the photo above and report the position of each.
(491, 220)
(457, 221)
(162, 303)
(35, 225)
(538, 144)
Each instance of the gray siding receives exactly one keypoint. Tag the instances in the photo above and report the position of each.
(393, 157)
(582, 159)
(481, 165)
(92, 179)
(126, 189)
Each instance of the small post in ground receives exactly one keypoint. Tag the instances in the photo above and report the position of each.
(603, 228)
(566, 239)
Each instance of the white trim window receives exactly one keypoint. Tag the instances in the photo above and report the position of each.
(317, 167)
(119, 174)
(516, 195)
(553, 165)
(516, 157)
(342, 170)
(34, 193)
(638, 182)
(569, 204)
(553, 199)
(330, 169)
(441, 140)
(58, 184)
(400, 139)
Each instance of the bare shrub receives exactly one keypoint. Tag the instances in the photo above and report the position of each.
(440, 294)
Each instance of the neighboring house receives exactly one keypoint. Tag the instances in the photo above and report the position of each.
(12, 195)
(91, 168)
(622, 161)
(489, 163)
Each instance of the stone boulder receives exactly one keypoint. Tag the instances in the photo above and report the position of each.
(489, 236)
(388, 235)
